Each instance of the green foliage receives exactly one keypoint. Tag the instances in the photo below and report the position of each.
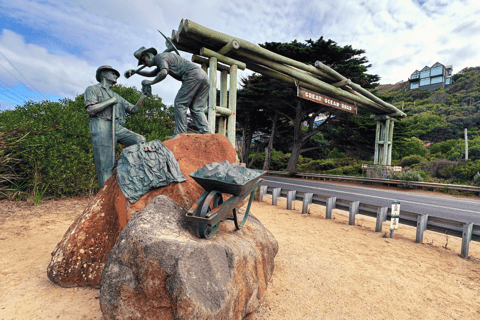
(56, 154)
(476, 179)
(278, 162)
(410, 175)
(467, 171)
(409, 146)
(334, 154)
(411, 160)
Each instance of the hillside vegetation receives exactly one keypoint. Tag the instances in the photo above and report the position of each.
(429, 143)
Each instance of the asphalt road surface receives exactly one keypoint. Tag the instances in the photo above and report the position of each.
(442, 206)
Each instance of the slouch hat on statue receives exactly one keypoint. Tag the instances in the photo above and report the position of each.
(142, 51)
(103, 68)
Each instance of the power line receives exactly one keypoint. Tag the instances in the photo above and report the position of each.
(11, 99)
(22, 75)
(5, 88)
(30, 97)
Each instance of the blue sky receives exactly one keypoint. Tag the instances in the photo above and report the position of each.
(51, 49)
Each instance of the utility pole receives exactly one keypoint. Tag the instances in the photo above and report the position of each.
(466, 144)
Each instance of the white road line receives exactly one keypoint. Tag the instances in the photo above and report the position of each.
(416, 195)
(366, 195)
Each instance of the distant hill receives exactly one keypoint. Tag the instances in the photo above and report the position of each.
(435, 116)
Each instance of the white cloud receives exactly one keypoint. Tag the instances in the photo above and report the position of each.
(399, 36)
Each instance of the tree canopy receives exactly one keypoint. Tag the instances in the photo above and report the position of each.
(299, 116)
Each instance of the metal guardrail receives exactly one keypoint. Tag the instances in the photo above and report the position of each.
(466, 231)
(378, 180)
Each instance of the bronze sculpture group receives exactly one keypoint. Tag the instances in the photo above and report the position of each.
(107, 109)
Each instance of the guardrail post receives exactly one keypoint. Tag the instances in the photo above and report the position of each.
(275, 194)
(331, 203)
(381, 217)
(263, 190)
(466, 238)
(290, 198)
(422, 221)
(352, 212)
(307, 199)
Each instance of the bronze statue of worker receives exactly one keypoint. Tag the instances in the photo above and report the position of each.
(101, 102)
(193, 92)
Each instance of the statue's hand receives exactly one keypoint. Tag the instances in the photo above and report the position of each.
(146, 83)
(114, 100)
(129, 73)
(147, 90)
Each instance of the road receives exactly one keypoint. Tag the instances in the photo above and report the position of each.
(442, 206)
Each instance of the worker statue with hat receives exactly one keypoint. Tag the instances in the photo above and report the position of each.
(101, 102)
(193, 92)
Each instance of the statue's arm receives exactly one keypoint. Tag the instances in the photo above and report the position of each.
(91, 102)
(151, 73)
(160, 76)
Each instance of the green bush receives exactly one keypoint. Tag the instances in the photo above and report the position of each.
(336, 154)
(57, 153)
(410, 175)
(317, 166)
(476, 179)
(467, 171)
(411, 160)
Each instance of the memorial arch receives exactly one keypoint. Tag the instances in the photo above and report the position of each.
(220, 53)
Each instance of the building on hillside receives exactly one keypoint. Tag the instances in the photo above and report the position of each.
(431, 78)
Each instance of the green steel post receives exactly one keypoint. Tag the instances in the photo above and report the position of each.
(232, 105)
(212, 94)
(377, 136)
(390, 142)
(385, 142)
(223, 100)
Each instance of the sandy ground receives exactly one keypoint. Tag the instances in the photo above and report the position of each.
(325, 269)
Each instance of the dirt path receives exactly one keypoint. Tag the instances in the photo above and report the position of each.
(325, 269)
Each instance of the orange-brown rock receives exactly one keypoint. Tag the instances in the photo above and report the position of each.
(79, 257)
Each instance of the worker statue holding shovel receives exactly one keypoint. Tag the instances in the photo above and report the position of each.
(193, 92)
(107, 112)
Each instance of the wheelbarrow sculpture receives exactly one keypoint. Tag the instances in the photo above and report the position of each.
(210, 209)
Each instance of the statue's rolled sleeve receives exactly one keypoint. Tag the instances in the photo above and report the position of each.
(91, 96)
(130, 108)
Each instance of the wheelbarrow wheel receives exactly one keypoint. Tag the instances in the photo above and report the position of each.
(236, 219)
(213, 200)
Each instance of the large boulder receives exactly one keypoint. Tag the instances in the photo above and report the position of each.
(78, 258)
(158, 268)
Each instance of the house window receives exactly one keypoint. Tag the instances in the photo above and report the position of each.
(447, 80)
(425, 74)
(436, 71)
(437, 80)
(414, 85)
(424, 82)
(415, 75)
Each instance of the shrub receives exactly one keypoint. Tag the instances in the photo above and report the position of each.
(57, 152)
(435, 168)
(317, 166)
(410, 160)
(476, 178)
(336, 154)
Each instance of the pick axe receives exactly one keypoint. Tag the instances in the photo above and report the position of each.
(127, 75)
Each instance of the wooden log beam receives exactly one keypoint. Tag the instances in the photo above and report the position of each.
(361, 90)
(221, 38)
(342, 83)
(202, 61)
(232, 45)
(212, 54)
(289, 80)
(304, 77)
